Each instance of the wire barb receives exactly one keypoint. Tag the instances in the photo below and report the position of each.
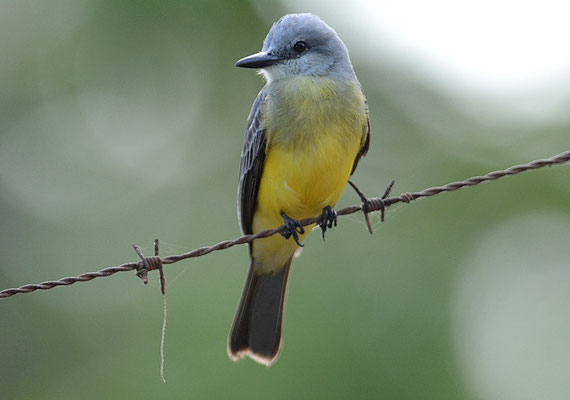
(149, 264)
(373, 205)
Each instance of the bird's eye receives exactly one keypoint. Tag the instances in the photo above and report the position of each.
(300, 46)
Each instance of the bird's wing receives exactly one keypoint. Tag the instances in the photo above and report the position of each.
(364, 147)
(252, 160)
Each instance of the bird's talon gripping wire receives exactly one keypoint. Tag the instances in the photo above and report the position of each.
(293, 228)
(328, 219)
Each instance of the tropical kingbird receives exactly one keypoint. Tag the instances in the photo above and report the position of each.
(306, 132)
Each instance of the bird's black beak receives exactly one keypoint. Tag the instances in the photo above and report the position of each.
(259, 60)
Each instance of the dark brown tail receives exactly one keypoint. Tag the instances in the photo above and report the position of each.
(256, 331)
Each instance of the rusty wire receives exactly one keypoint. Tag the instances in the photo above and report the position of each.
(368, 205)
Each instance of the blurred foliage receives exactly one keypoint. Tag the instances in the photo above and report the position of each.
(123, 121)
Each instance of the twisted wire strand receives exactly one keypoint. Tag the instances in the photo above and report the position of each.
(369, 205)
(70, 280)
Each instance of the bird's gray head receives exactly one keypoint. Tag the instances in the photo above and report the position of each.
(300, 44)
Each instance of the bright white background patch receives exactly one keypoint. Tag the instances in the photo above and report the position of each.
(515, 52)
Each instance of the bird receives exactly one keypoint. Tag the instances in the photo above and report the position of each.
(306, 132)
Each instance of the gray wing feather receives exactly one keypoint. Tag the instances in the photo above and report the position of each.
(252, 160)
(364, 149)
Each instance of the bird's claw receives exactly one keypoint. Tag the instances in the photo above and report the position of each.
(293, 228)
(328, 219)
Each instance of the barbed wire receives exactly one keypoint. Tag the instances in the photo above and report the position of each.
(368, 205)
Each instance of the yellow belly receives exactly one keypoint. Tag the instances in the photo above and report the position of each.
(315, 127)
(300, 181)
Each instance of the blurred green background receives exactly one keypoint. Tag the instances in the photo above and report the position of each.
(122, 121)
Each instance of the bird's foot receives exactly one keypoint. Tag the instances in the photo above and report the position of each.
(293, 228)
(328, 219)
